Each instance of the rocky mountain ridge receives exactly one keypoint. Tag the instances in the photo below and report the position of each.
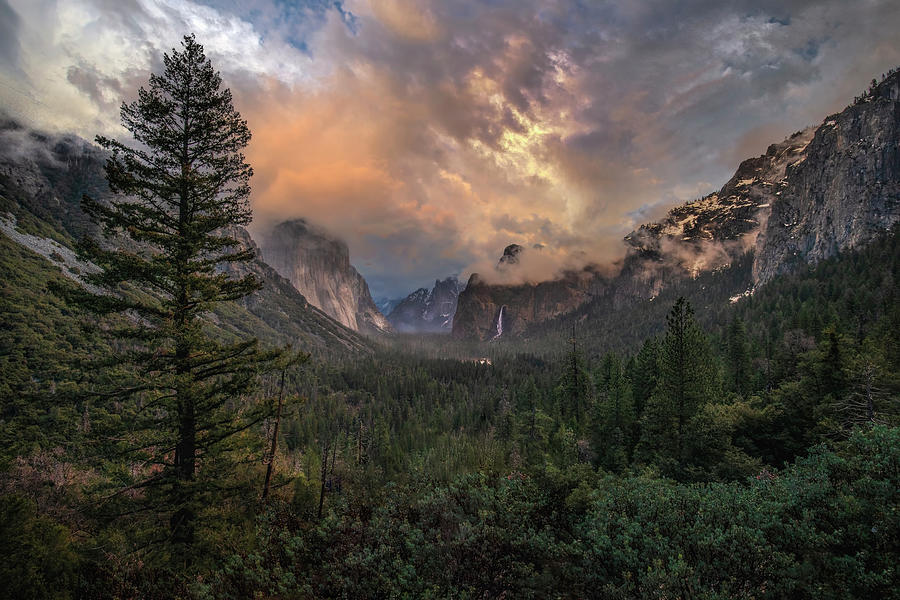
(428, 311)
(819, 191)
(735, 213)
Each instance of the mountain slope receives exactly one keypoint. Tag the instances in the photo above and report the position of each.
(42, 180)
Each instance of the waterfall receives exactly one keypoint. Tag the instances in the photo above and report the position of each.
(499, 323)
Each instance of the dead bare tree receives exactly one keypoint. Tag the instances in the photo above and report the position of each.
(867, 404)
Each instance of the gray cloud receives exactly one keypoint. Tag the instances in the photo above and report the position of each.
(431, 134)
(9, 36)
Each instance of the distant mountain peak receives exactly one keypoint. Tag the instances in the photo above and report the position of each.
(510, 255)
(425, 310)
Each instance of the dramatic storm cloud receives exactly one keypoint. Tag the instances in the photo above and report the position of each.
(430, 135)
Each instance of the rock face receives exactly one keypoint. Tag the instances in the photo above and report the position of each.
(426, 311)
(822, 190)
(318, 265)
(510, 255)
(490, 312)
(286, 312)
(845, 189)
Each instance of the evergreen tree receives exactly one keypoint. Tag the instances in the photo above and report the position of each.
(862, 405)
(613, 415)
(163, 266)
(533, 423)
(687, 380)
(811, 404)
(644, 374)
(738, 349)
(830, 370)
(574, 392)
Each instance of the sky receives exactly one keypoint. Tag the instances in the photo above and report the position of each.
(431, 134)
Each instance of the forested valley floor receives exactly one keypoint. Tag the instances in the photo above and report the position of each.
(745, 450)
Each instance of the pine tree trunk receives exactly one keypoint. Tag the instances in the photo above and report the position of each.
(271, 466)
(182, 522)
(324, 475)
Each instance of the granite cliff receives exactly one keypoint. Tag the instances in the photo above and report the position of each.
(844, 191)
(318, 265)
(488, 311)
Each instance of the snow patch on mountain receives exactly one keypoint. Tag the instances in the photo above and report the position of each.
(428, 311)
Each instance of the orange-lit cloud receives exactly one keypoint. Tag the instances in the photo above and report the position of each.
(429, 135)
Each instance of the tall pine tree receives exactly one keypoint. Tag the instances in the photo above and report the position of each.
(163, 265)
(644, 374)
(574, 392)
(687, 380)
(613, 415)
(738, 349)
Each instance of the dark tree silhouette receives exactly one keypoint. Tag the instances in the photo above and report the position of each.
(179, 192)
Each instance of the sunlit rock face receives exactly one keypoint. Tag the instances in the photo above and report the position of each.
(318, 265)
(707, 233)
(821, 190)
(428, 311)
(281, 307)
(845, 191)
